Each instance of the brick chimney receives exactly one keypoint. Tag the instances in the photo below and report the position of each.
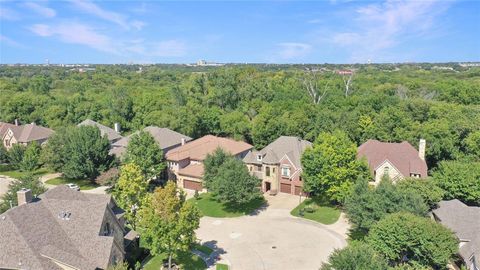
(421, 148)
(24, 196)
(117, 127)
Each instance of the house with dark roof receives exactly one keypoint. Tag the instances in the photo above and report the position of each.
(113, 135)
(278, 165)
(23, 134)
(396, 160)
(464, 221)
(166, 138)
(62, 229)
(185, 163)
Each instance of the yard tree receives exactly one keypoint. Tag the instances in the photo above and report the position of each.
(130, 190)
(31, 157)
(426, 188)
(167, 223)
(15, 155)
(234, 185)
(28, 181)
(367, 205)
(3, 154)
(330, 168)
(472, 143)
(145, 152)
(460, 180)
(404, 238)
(212, 164)
(356, 256)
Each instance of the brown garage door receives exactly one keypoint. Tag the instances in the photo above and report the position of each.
(189, 184)
(285, 188)
(298, 190)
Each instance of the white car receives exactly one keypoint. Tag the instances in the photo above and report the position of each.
(73, 186)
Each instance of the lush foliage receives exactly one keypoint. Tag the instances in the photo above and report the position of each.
(460, 180)
(145, 152)
(78, 152)
(356, 256)
(130, 190)
(167, 224)
(31, 157)
(367, 205)
(426, 188)
(15, 155)
(406, 238)
(3, 154)
(211, 165)
(331, 168)
(28, 181)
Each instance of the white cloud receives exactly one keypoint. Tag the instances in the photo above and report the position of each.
(169, 48)
(10, 42)
(291, 50)
(8, 14)
(41, 10)
(111, 16)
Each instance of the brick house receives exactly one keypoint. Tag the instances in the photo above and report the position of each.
(185, 163)
(23, 134)
(396, 160)
(278, 165)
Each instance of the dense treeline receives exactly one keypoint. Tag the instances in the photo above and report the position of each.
(259, 103)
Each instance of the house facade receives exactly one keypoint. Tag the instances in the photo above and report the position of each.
(24, 134)
(278, 165)
(185, 163)
(395, 160)
(62, 229)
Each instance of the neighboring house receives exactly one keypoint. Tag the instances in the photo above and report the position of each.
(464, 221)
(4, 127)
(185, 163)
(24, 134)
(278, 165)
(166, 138)
(396, 160)
(62, 229)
(113, 135)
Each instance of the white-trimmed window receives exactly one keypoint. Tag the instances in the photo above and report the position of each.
(386, 170)
(286, 171)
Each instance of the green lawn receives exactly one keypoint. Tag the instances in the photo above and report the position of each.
(19, 174)
(212, 208)
(188, 261)
(84, 184)
(204, 249)
(221, 266)
(317, 210)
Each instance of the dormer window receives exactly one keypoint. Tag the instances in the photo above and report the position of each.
(259, 157)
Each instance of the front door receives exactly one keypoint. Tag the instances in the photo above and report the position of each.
(267, 186)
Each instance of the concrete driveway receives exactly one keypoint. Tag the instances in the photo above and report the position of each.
(271, 239)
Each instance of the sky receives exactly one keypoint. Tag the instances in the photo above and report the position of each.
(330, 31)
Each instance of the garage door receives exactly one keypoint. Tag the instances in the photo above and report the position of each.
(298, 190)
(189, 184)
(285, 188)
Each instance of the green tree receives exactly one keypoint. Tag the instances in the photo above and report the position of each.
(3, 154)
(367, 205)
(15, 155)
(31, 157)
(472, 144)
(145, 152)
(167, 223)
(426, 188)
(211, 166)
(130, 191)
(234, 185)
(330, 168)
(406, 238)
(460, 180)
(356, 256)
(28, 181)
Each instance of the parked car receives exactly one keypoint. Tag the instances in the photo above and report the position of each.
(73, 186)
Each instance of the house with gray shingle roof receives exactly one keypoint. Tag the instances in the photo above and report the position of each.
(62, 229)
(24, 134)
(464, 221)
(278, 165)
(112, 134)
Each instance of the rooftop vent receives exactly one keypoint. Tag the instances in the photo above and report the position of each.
(64, 215)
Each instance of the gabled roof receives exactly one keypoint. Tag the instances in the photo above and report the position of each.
(33, 232)
(463, 220)
(292, 147)
(200, 148)
(30, 132)
(166, 139)
(112, 135)
(194, 170)
(401, 155)
(4, 127)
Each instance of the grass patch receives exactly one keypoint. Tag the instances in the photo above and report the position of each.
(213, 208)
(221, 266)
(187, 261)
(204, 249)
(17, 174)
(84, 184)
(317, 210)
